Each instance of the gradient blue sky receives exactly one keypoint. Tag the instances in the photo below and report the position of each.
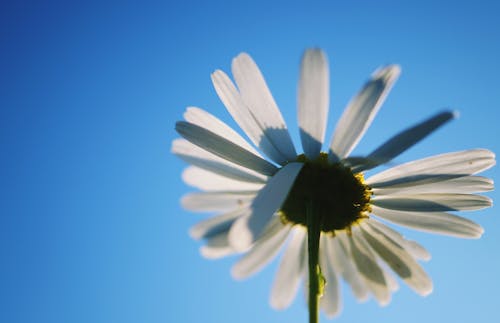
(90, 225)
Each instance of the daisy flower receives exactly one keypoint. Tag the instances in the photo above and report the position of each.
(263, 195)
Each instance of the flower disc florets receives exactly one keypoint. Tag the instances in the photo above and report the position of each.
(340, 197)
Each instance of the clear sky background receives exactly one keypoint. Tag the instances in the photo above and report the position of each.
(90, 225)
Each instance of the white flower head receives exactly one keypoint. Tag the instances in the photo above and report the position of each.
(261, 195)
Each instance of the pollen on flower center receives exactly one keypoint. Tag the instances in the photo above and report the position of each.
(339, 196)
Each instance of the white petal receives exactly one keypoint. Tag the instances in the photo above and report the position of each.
(292, 265)
(365, 260)
(263, 251)
(258, 99)
(339, 252)
(216, 224)
(392, 283)
(406, 139)
(360, 112)
(331, 301)
(438, 184)
(215, 201)
(433, 202)
(358, 163)
(467, 162)
(248, 228)
(313, 101)
(217, 247)
(224, 148)
(208, 121)
(210, 181)
(201, 158)
(238, 109)
(413, 248)
(433, 222)
(398, 259)
(417, 251)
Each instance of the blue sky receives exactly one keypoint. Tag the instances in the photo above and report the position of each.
(90, 225)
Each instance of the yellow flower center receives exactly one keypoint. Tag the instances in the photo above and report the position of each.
(340, 197)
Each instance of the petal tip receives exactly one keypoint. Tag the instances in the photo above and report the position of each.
(277, 304)
(384, 302)
(207, 253)
(427, 257)
(388, 73)
(235, 273)
(362, 297)
(217, 75)
(242, 58)
(240, 238)
(243, 55)
(184, 201)
(194, 233)
(332, 314)
(426, 291)
(314, 53)
(394, 69)
(488, 201)
(480, 232)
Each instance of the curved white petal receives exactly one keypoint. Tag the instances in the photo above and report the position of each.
(406, 139)
(437, 184)
(241, 113)
(217, 247)
(210, 181)
(392, 282)
(398, 259)
(208, 121)
(263, 251)
(216, 201)
(331, 300)
(412, 247)
(433, 222)
(340, 255)
(367, 265)
(216, 224)
(255, 93)
(248, 228)
(437, 202)
(199, 157)
(293, 264)
(313, 101)
(417, 251)
(238, 109)
(224, 148)
(466, 162)
(360, 112)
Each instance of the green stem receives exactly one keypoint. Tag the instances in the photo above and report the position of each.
(315, 277)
